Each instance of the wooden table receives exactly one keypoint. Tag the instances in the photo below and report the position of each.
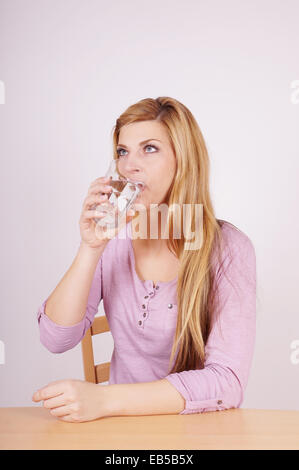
(34, 428)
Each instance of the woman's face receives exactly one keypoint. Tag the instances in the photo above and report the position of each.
(152, 162)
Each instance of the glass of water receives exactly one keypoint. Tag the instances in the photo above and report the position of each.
(121, 198)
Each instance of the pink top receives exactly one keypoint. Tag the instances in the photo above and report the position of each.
(142, 320)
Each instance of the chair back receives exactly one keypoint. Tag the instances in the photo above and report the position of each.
(95, 373)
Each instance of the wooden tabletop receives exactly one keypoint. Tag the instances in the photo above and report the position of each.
(35, 428)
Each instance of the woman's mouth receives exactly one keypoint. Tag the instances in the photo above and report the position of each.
(141, 187)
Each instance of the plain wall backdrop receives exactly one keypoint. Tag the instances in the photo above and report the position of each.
(68, 69)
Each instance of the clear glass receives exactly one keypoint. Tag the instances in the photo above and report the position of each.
(121, 198)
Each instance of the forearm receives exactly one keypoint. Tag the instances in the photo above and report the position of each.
(149, 398)
(66, 306)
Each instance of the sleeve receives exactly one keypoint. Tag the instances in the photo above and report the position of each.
(57, 338)
(221, 383)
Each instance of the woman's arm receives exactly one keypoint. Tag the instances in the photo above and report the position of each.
(66, 306)
(65, 316)
(147, 398)
(229, 350)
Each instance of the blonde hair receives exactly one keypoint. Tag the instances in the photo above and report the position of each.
(196, 291)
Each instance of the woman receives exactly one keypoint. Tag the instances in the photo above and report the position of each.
(183, 319)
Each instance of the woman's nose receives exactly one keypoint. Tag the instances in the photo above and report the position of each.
(132, 164)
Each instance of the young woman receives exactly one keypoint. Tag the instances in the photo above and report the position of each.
(183, 320)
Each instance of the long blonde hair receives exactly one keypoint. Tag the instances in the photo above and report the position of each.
(196, 291)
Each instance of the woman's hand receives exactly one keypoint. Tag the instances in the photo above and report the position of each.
(74, 400)
(91, 233)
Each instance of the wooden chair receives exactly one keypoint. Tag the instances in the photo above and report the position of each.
(95, 373)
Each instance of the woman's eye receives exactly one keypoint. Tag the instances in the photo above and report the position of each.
(118, 152)
(122, 155)
(151, 146)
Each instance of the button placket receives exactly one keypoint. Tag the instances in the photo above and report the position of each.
(144, 311)
(144, 306)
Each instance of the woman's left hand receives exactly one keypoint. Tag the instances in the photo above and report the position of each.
(73, 400)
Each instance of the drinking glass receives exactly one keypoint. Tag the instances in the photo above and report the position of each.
(121, 198)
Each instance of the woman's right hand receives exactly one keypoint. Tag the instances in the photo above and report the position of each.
(93, 235)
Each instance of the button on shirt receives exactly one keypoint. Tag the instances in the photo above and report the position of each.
(142, 319)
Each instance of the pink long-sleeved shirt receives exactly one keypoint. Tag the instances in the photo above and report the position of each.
(142, 320)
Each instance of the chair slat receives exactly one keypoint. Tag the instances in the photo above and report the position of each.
(100, 325)
(88, 358)
(102, 372)
(95, 373)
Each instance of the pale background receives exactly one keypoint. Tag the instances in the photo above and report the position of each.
(69, 69)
